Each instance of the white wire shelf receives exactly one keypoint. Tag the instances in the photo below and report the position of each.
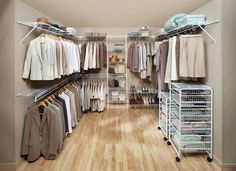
(131, 92)
(163, 112)
(46, 28)
(188, 29)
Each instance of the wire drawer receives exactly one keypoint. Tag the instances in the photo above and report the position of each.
(190, 117)
(164, 109)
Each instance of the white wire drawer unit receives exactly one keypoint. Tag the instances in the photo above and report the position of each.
(191, 119)
(164, 108)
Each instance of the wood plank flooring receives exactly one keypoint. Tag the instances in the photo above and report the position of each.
(119, 140)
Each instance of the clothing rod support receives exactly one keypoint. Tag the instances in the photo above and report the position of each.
(208, 34)
(28, 34)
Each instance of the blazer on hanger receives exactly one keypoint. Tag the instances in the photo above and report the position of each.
(41, 61)
(40, 134)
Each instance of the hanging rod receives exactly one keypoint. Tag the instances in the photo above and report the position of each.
(52, 89)
(55, 87)
(40, 94)
(92, 38)
(142, 38)
(50, 30)
(94, 75)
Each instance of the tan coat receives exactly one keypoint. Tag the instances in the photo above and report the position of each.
(40, 136)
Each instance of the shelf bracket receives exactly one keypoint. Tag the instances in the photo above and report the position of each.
(208, 34)
(28, 34)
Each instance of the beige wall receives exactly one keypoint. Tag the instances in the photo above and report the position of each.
(7, 90)
(229, 80)
(221, 67)
(213, 11)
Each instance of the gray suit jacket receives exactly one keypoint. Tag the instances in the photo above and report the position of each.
(40, 136)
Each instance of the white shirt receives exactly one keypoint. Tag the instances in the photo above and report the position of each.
(174, 72)
(86, 59)
(91, 56)
(140, 58)
(94, 55)
(67, 101)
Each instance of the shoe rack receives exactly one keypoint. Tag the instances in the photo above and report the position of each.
(143, 96)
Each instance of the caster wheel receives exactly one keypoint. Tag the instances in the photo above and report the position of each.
(209, 159)
(159, 128)
(168, 142)
(165, 139)
(177, 159)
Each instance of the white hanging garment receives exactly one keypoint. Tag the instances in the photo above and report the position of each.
(86, 60)
(174, 71)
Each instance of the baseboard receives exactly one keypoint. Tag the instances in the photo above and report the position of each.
(224, 165)
(229, 165)
(8, 167)
(11, 166)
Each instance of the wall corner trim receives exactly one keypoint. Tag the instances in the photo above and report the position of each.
(224, 165)
(217, 161)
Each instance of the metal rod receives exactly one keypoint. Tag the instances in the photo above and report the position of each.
(28, 34)
(208, 34)
(50, 90)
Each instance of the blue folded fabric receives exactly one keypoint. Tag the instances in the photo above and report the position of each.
(134, 34)
(191, 20)
(171, 23)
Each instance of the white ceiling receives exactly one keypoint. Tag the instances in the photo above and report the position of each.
(114, 13)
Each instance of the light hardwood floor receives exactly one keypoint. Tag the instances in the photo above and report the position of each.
(119, 140)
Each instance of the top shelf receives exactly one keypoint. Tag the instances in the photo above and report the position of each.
(177, 31)
(186, 29)
(186, 86)
(47, 28)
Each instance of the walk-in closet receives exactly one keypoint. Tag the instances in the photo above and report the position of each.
(117, 85)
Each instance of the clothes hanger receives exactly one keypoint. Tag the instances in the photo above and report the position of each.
(46, 101)
(41, 103)
(50, 99)
(43, 35)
